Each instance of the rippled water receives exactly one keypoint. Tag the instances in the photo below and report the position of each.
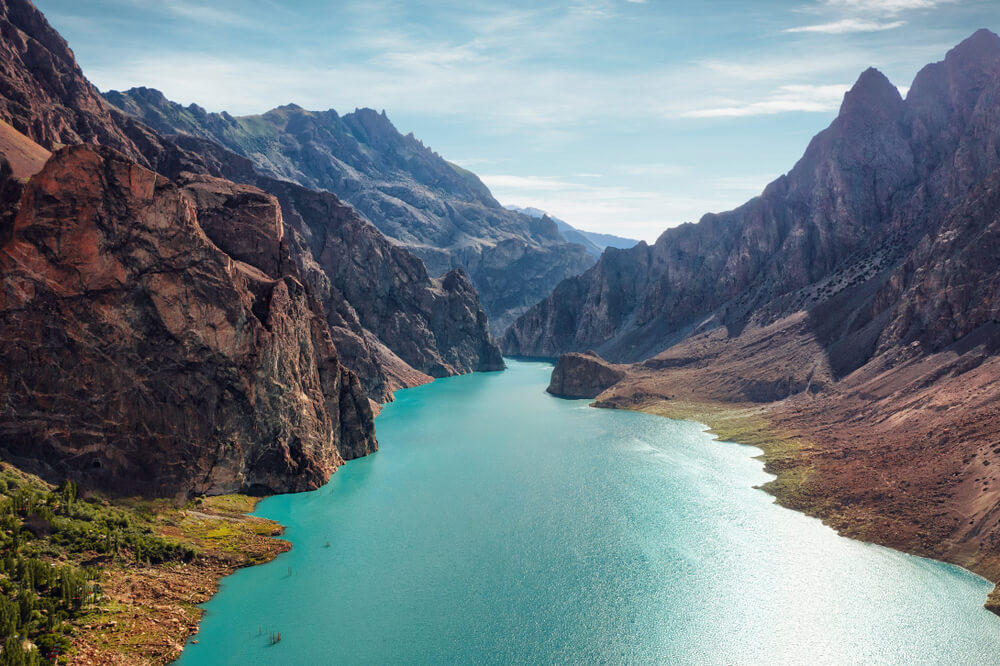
(500, 525)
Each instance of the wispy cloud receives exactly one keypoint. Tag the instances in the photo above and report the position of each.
(863, 15)
(782, 100)
(848, 25)
(469, 162)
(654, 170)
(886, 7)
(193, 11)
(197, 12)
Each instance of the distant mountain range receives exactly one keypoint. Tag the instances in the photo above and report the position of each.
(439, 211)
(595, 243)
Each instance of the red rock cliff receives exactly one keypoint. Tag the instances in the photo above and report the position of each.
(140, 357)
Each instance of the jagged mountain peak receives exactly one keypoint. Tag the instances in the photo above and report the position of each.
(963, 72)
(865, 192)
(142, 92)
(872, 92)
(982, 45)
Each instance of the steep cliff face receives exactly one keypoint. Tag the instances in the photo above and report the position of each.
(434, 325)
(825, 239)
(140, 357)
(439, 211)
(394, 325)
(43, 92)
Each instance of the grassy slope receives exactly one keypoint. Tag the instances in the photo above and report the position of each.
(168, 560)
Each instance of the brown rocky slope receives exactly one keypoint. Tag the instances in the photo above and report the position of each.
(855, 335)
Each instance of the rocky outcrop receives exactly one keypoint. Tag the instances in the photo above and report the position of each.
(829, 238)
(241, 220)
(439, 211)
(138, 356)
(585, 375)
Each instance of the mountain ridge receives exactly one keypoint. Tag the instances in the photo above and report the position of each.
(441, 212)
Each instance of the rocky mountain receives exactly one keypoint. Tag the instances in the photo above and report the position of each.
(443, 350)
(394, 324)
(847, 320)
(593, 242)
(171, 321)
(436, 209)
(832, 238)
(139, 355)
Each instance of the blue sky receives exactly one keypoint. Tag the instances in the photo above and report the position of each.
(620, 116)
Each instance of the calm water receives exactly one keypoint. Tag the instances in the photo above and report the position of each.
(500, 525)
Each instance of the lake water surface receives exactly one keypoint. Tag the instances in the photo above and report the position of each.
(499, 525)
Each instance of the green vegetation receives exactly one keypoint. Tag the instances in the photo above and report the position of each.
(51, 541)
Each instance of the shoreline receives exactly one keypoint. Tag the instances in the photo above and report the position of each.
(781, 454)
(148, 612)
(796, 485)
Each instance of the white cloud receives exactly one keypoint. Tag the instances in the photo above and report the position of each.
(862, 15)
(848, 25)
(655, 170)
(810, 98)
(529, 183)
(885, 7)
(469, 162)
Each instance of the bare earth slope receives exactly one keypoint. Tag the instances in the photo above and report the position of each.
(847, 321)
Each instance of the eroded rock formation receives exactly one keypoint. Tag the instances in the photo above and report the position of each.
(585, 375)
(139, 356)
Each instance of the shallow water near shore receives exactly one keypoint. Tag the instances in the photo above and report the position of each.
(500, 525)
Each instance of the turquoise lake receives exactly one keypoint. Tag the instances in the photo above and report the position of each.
(499, 525)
